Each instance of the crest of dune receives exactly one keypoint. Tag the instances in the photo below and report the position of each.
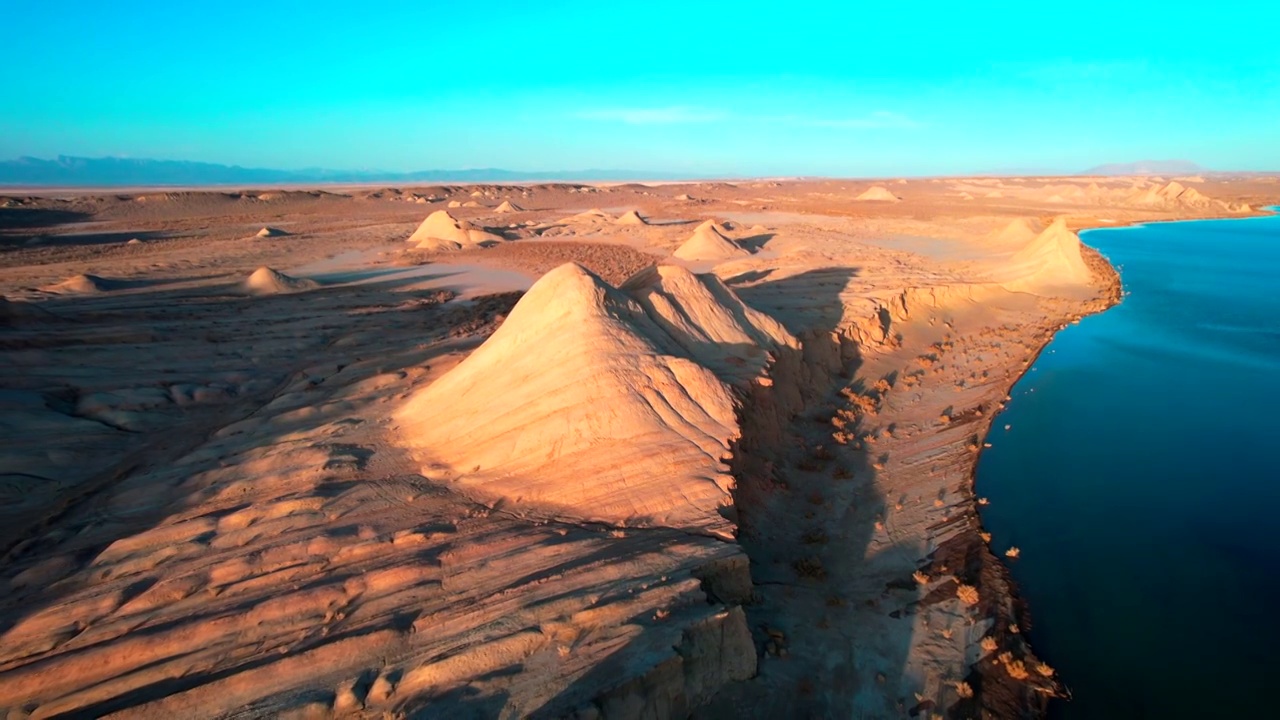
(878, 194)
(442, 226)
(508, 207)
(442, 231)
(1172, 190)
(268, 281)
(600, 403)
(1050, 260)
(82, 284)
(1194, 198)
(708, 243)
(455, 204)
(631, 217)
(1172, 193)
(1148, 197)
(268, 232)
(1019, 232)
(594, 215)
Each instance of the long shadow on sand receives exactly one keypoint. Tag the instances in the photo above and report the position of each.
(178, 336)
(806, 509)
(19, 225)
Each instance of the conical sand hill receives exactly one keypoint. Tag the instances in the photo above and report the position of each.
(268, 281)
(599, 403)
(1020, 232)
(1050, 261)
(83, 284)
(877, 194)
(442, 231)
(708, 243)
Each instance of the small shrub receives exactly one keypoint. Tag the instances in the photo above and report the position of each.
(963, 689)
(968, 594)
(810, 567)
(920, 577)
(988, 644)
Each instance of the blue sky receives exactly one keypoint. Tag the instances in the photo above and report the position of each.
(746, 88)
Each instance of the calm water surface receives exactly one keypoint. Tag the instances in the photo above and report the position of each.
(1141, 479)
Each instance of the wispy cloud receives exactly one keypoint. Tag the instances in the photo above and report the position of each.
(879, 120)
(674, 115)
(683, 114)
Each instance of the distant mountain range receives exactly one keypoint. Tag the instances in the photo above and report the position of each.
(67, 171)
(1147, 167)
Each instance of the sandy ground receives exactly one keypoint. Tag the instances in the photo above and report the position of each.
(347, 487)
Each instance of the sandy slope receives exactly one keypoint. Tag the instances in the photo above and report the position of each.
(385, 482)
(646, 370)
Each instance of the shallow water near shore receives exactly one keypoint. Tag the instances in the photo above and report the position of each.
(1139, 478)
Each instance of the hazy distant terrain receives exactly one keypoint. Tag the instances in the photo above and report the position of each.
(1147, 167)
(99, 172)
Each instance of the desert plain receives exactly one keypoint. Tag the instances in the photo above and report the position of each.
(536, 450)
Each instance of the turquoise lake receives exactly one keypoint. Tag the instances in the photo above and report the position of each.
(1139, 478)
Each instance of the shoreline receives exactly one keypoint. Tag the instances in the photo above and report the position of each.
(1018, 486)
(1112, 294)
(994, 689)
